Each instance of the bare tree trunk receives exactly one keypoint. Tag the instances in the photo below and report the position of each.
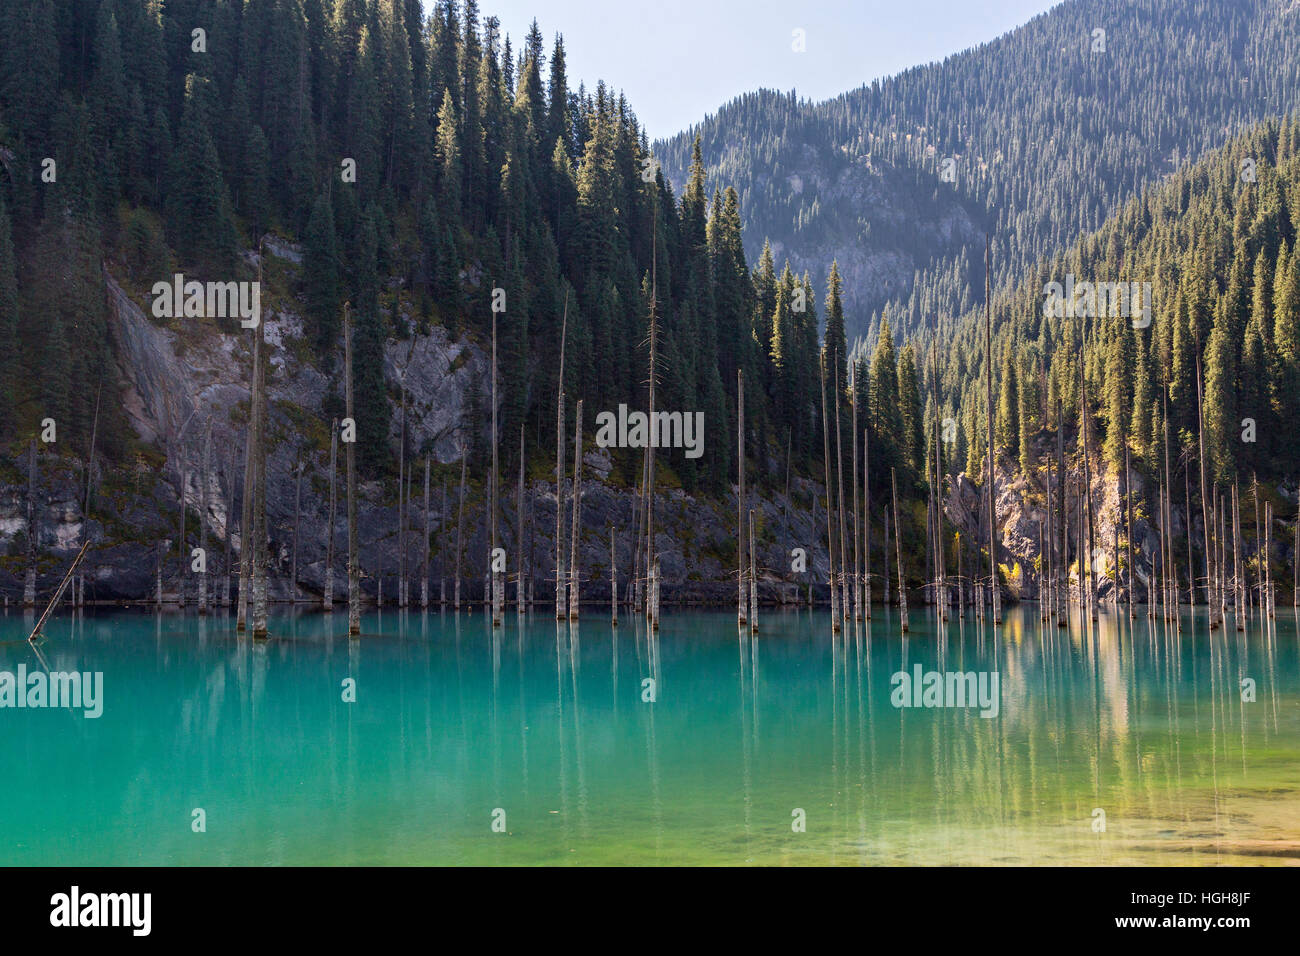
(613, 581)
(33, 532)
(830, 525)
(1049, 556)
(652, 554)
(519, 530)
(740, 495)
(577, 513)
(857, 528)
(460, 521)
(1238, 571)
(1210, 578)
(180, 547)
(246, 502)
(898, 543)
(886, 551)
(866, 523)
(327, 600)
(401, 502)
(1063, 560)
(1187, 521)
(354, 561)
(1090, 603)
(839, 488)
(988, 379)
(498, 579)
(1128, 527)
(753, 578)
(79, 585)
(229, 470)
(442, 548)
(424, 574)
(1268, 558)
(203, 521)
(1259, 572)
(559, 474)
(259, 486)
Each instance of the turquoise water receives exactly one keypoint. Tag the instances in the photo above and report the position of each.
(452, 722)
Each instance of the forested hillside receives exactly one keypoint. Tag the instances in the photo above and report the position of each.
(159, 138)
(1049, 128)
(1217, 243)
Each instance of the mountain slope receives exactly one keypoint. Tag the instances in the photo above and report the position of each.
(1048, 136)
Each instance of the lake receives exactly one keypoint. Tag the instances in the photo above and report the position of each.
(1116, 743)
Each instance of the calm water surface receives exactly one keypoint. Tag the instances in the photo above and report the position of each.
(453, 721)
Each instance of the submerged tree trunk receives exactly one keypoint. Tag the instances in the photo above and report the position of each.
(229, 470)
(559, 474)
(424, 573)
(853, 476)
(519, 530)
(613, 581)
(898, 543)
(354, 570)
(830, 530)
(460, 520)
(297, 521)
(246, 504)
(442, 548)
(994, 589)
(498, 575)
(839, 487)
(403, 498)
(740, 495)
(203, 522)
(259, 490)
(866, 523)
(753, 578)
(33, 532)
(577, 513)
(327, 598)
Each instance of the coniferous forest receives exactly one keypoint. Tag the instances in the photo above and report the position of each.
(371, 377)
(429, 173)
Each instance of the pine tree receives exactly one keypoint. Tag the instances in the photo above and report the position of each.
(836, 344)
(321, 279)
(886, 414)
(909, 402)
(198, 205)
(370, 391)
(448, 155)
(1007, 427)
(9, 344)
(1220, 408)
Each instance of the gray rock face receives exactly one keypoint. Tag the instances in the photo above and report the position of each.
(177, 381)
(1021, 507)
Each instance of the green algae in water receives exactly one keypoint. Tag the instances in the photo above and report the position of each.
(452, 722)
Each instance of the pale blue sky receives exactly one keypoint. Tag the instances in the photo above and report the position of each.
(678, 60)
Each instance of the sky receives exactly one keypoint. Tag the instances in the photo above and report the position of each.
(679, 60)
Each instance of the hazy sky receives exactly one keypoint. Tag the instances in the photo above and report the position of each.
(678, 60)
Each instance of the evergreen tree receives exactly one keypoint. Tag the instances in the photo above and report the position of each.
(321, 279)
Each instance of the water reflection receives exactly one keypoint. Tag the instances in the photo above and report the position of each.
(683, 748)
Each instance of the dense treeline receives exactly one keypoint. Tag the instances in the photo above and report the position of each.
(1217, 243)
(183, 131)
(1051, 128)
